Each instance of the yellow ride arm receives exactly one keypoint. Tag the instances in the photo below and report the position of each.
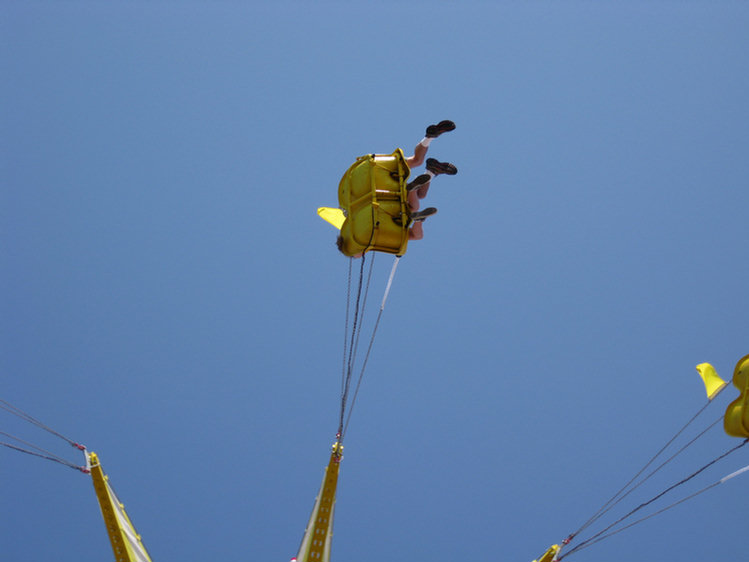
(318, 535)
(126, 542)
(550, 554)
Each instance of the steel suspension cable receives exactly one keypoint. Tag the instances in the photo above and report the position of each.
(345, 329)
(362, 312)
(620, 495)
(371, 340)
(347, 354)
(349, 364)
(659, 467)
(29, 418)
(681, 501)
(605, 532)
(354, 338)
(39, 452)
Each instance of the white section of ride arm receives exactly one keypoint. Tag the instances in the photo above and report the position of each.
(390, 282)
(741, 470)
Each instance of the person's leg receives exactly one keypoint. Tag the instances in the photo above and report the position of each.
(416, 232)
(420, 183)
(432, 132)
(413, 201)
(420, 151)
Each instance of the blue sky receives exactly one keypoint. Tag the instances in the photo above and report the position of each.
(171, 299)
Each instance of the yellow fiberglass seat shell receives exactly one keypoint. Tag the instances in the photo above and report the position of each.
(736, 420)
(373, 196)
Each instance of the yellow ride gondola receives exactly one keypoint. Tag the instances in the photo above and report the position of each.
(374, 213)
(736, 420)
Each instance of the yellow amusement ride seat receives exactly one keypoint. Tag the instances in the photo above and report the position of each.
(374, 212)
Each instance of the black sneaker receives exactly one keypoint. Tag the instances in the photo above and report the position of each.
(419, 216)
(433, 131)
(418, 181)
(441, 167)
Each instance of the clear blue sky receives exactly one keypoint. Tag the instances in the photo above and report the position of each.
(171, 299)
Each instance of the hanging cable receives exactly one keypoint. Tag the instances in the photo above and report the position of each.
(663, 464)
(345, 329)
(23, 415)
(32, 449)
(620, 495)
(371, 340)
(681, 501)
(362, 312)
(669, 459)
(598, 537)
(348, 350)
(353, 338)
(48, 456)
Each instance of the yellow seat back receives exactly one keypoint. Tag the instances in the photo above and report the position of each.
(372, 194)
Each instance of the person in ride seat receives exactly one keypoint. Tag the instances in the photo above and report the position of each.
(419, 187)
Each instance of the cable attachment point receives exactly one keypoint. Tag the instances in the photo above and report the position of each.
(337, 452)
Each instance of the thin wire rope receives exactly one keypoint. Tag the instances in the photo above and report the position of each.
(355, 323)
(664, 463)
(359, 309)
(689, 497)
(604, 533)
(347, 360)
(362, 310)
(612, 533)
(344, 426)
(43, 453)
(29, 418)
(53, 458)
(345, 328)
(371, 342)
(28, 444)
(356, 332)
(352, 352)
(613, 500)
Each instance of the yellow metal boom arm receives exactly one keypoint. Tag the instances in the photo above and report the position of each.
(318, 535)
(126, 542)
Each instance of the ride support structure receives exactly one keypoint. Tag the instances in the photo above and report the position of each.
(125, 541)
(318, 536)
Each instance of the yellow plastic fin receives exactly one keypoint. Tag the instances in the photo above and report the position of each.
(333, 216)
(736, 420)
(550, 554)
(712, 380)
